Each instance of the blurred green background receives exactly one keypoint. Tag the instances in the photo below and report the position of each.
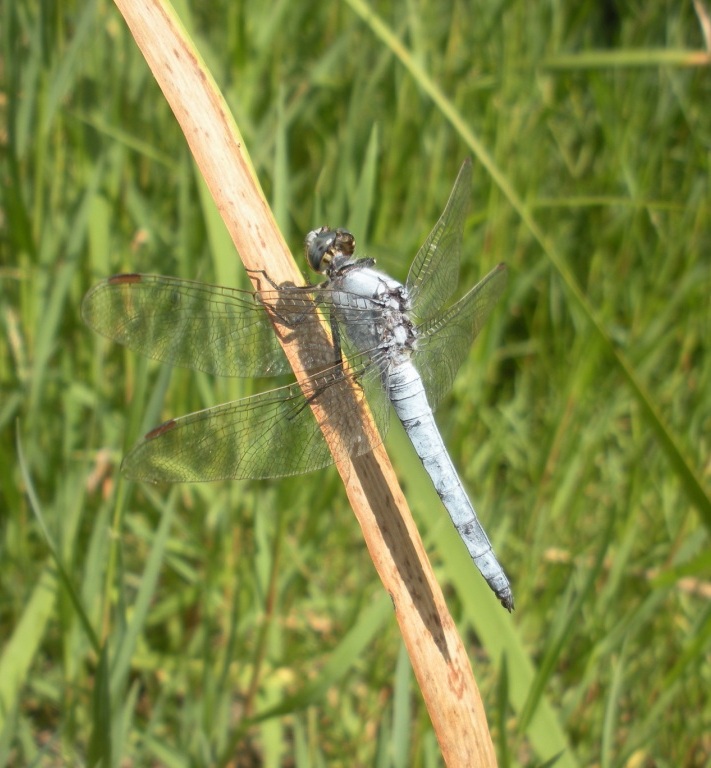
(242, 623)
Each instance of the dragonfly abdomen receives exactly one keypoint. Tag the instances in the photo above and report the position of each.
(407, 394)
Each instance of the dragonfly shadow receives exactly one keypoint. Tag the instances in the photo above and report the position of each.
(335, 391)
(340, 402)
(398, 541)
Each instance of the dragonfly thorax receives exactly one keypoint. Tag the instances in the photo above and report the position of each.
(373, 309)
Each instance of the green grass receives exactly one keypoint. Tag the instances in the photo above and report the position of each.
(244, 621)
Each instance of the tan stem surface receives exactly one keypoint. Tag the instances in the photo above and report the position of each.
(438, 657)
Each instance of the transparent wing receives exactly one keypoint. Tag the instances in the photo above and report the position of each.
(209, 328)
(434, 273)
(223, 331)
(272, 434)
(445, 340)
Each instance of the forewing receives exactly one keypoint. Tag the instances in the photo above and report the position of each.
(223, 331)
(273, 434)
(445, 340)
(434, 272)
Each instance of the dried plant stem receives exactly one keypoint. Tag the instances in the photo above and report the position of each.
(436, 651)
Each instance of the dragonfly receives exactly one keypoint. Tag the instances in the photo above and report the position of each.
(391, 346)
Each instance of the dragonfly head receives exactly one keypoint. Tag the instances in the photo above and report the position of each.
(324, 246)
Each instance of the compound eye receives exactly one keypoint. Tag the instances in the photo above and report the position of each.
(344, 242)
(318, 248)
(323, 245)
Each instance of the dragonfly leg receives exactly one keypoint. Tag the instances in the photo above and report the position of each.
(264, 275)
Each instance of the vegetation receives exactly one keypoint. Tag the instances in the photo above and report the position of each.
(242, 623)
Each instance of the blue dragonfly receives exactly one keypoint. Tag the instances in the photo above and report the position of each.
(391, 345)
